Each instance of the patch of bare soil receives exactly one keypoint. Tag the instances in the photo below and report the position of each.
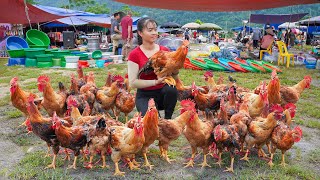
(4, 90)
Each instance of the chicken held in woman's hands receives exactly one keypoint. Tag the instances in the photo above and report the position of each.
(170, 130)
(52, 101)
(165, 64)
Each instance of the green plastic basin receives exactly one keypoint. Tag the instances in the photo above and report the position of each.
(37, 46)
(35, 37)
(16, 53)
(44, 64)
(96, 54)
(44, 57)
(31, 62)
(49, 51)
(56, 62)
(60, 54)
(32, 52)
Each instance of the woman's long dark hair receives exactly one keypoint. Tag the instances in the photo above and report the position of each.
(142, 23)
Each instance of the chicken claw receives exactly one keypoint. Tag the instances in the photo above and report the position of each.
(204, 163)
(170, 81)
(53, 164)
(135, 162)
(146, 161)
(190, 163)
(132, 166)
(229, 169)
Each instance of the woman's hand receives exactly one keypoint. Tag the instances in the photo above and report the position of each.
(159, 81)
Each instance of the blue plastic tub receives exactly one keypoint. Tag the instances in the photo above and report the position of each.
(16, 61)
(76, 52)
(312, 66)
(100, 63)
(16, 43)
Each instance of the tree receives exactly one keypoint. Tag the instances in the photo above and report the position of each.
(126, 8)
(198, 21)
(98, 9)
(87, 5)
(31, 1)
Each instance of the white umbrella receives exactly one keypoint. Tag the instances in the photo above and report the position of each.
(291, 25)
(191, 25)
(209, 26)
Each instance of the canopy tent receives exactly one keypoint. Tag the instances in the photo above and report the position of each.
(216, 6)
(209, 26)
(291, 25)
(14, 12)
(240, 28)
(191, 25)
(62, 11)
(275, 18)
(170, 25)
(314, 21)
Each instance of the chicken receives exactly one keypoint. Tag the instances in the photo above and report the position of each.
(52, 101)
(43, 128)
(259, 131)
(258, 104)
(198, 134)
(99, 142)
(170, 130)
(241, 120)
(206, 102)
(125, 102)
(126, 141)
(211, 84)
(185, 92)
(283, 138)
(231, 106)
(226, 136)
(292, 94)
(222, 117)
(289, 112)
(19, 97)
(274, 96)
(107, 96)
(165, 64)
(126, 83)
(74, 138)
(90, 83)
(81, 77)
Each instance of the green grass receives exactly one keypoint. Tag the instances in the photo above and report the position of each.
(13, 114)
(33, 164)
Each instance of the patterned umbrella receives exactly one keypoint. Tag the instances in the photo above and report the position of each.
(191, 25)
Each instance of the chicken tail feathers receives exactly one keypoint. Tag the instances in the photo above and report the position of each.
(147, 68)
(61, 86)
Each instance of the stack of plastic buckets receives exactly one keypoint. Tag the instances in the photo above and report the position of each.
(15, 48)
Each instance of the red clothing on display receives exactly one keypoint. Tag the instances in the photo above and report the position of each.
(125, 22)
(138, 57)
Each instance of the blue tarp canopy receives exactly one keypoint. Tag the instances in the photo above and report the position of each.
(240, 28)
(62, 11)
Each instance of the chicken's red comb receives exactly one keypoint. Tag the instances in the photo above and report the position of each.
(117, 78)
(276, 108)
(30, 98)
(193, 85)
(290, 106)
(208, 74)
(126, 76)
(274, 74)
(187, 103)
(43, 78)
(14, 80)
(151, 103)
(299, 131)
(308, 80)
(72, 101)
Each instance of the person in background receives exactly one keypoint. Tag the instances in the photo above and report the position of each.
(179, 34)
(267, 39)
(127, 34)
(115, 32)
(256, 37)
(195, 34)
(147, 84)
(186, 34)
(216, 38)
(292, 38)
(286, 37)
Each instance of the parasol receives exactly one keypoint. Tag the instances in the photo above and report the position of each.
(209, 26)
(191, 25)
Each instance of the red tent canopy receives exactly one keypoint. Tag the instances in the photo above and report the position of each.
(216, 6)
(13, 11)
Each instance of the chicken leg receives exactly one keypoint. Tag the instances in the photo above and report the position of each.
(146, 162)
(74, 165)
(117, 172)
(104, 165)
(53, 164)
(204, 163)
(245, 158)
(132, 166)
(90, 165)
(270, 163)
(283, 162)
(170, 81)
(219, 159)
(230, 169)
(191, 162)
(48, 151)
(167, 157)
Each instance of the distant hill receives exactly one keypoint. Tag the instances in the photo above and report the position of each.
(226, 20)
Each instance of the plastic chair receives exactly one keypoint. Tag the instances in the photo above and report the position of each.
(268, 50)
(283, 53)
